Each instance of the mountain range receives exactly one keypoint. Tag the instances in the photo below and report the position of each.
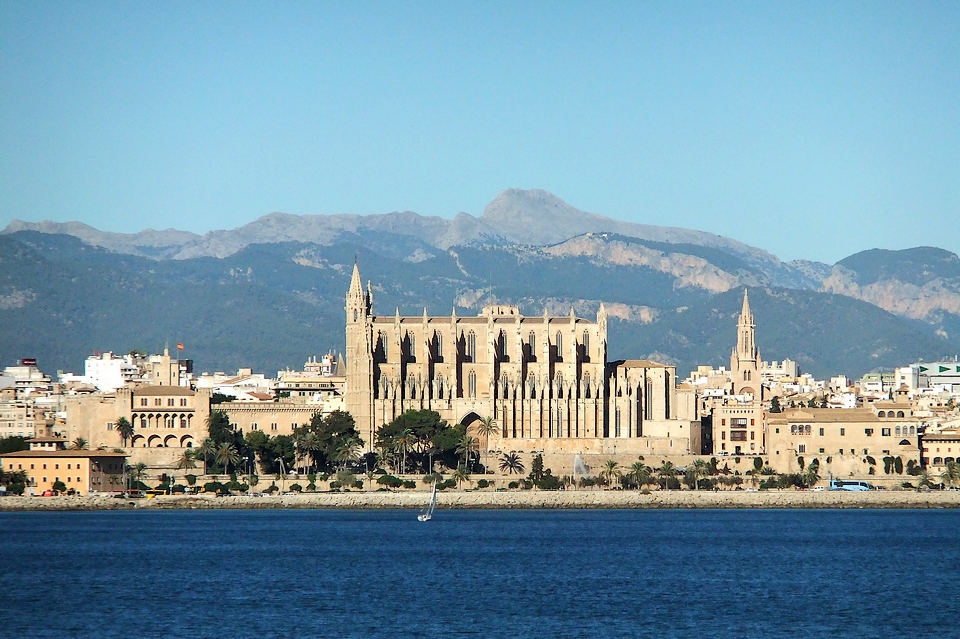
(270, 293)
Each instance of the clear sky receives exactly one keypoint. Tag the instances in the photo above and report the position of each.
(812, 130)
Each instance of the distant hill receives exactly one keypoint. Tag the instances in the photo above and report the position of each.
(270, 305)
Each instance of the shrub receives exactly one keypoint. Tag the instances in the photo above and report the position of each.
(359, 484)
(191, 480)
(16, 487)
(311, 487)
(482, 483)
(409, 483)
(390, 481)
(213, 487)
(549, 482)
(178, 488)
(312, 478)
(296, 488)
(513, 485)
(59, 486)
(429, 478)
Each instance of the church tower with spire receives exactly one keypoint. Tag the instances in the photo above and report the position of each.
(358, 395)
(745, 358)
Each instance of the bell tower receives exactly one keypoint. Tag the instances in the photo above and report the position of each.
(745, 358)
(358, 394)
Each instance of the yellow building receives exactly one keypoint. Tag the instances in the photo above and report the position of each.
(84, 471)
(850, 437)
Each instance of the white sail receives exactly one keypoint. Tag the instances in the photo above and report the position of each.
(427, 515)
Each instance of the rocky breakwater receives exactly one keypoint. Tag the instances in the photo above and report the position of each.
(585, 499)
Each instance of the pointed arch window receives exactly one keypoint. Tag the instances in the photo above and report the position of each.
(439, 346)
(559, 383)
(502, 345)
(586, 385)
(559, 345)
(532, 382)
(586, 343)
(472, 384)
(412, 342)
(472, 346)
(532, 341)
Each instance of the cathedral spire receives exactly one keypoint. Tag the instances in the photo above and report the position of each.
(745, 316)
(356, 287)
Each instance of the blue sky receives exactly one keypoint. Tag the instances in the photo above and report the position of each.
(813, 130)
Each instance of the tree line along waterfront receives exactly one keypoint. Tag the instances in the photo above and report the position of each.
(326, 454)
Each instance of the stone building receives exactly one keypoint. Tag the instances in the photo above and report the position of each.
(745, 362)
(167, 417)
(544, 380)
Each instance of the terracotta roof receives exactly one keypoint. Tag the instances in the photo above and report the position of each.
(163, 390)
(63, 453)
(47, 439)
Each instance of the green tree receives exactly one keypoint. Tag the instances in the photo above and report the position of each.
(511, 463)
(404, 441)
(348, 451)
(951, 474)
(536, 468)
(205, 451)
(667, 472)
(486, 427)
(775, 405)
(59, 486)
(699, 470)
(124, 429)
(757, 464)
(461, 474)
(466, 446)
(186, 460)
(611, 472)
(640, 474)
(227, 456)
(13, 444)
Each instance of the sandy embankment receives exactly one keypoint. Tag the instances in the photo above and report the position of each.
(510, 499)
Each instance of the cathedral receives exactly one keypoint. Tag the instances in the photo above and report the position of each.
(544, 380)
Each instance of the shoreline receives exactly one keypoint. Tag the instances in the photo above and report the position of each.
(539, 500)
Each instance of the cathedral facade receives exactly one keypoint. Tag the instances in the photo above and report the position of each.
(544, 380)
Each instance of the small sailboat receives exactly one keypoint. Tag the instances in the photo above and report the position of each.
(427, 515)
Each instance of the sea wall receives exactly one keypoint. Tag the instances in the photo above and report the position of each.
(413, 500)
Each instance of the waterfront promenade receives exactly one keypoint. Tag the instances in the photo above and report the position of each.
(508, 499)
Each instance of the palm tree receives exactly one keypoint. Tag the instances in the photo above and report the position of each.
(79, 444)
(511, 463)
(486, 427)
(227, 455)
(137, 471)
(924, 480)
(951, 474)
(640, 474)
(404, 440)
(186, 461)
(611, 470)
(699, 470)
(205, 451)
(667, 471)
(124, 429)
(465, 446)
(307, 444)
(347, 451)
(461, 474)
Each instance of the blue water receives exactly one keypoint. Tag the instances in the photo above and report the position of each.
(645, 573)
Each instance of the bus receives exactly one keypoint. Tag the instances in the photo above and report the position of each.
(851, 485)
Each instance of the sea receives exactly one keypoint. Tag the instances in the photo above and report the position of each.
(485, 573)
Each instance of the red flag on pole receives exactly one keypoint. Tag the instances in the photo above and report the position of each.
(179, 346)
